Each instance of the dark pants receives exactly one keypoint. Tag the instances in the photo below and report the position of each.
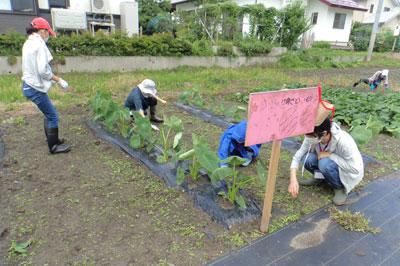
(148, 102)
(328, 168)
(44, 104)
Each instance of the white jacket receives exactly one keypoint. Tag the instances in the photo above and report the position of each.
(36, 71)
(344, 153)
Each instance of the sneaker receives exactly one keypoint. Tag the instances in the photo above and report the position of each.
(355, 84)
(310, 182)
(340, 197)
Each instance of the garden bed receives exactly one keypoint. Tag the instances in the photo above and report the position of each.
(205, 195)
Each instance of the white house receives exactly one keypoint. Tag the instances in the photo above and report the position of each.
(73, 14)
(331, 19)
(390, 16)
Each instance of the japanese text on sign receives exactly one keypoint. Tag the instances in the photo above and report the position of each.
(281, 114)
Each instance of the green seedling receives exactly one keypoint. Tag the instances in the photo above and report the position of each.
(142, 136)
(192, 97)
(235, 180)
(113, 115)
(201, 156)
(19, 248)
(171, 135)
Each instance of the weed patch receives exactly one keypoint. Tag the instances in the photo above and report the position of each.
(352, 221)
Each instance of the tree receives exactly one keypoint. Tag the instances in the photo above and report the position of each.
(148, 9)
(293, 24)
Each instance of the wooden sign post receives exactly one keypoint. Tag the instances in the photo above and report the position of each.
(276, 115)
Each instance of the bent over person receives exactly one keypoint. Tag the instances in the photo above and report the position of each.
(232, 144)
(37, 78)
(143, 97)
(374, 81)
(332, 156)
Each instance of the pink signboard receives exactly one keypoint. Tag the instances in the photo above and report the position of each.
(276, 115)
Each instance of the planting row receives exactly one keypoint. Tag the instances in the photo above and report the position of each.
(366, 114)
(196, 165)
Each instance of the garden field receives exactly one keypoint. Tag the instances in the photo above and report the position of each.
(98, 206)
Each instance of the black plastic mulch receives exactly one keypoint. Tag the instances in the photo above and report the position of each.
(205, 196)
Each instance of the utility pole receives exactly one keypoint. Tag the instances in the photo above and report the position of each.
(374, 30)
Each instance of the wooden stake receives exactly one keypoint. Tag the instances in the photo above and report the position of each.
(270, 185)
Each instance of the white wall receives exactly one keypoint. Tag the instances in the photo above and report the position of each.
(84, 5)
(323, 30)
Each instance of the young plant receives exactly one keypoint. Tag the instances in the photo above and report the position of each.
(113, 115)
(142, 133)
(202, 157)
(19, 248)
(171, 135)
(234, 180)
(192, 97)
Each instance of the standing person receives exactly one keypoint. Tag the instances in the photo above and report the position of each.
(37, 78)
(143, 97)
(374, 81)
(232, 144)
(332, 156)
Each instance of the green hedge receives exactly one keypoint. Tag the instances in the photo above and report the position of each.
(120, 45)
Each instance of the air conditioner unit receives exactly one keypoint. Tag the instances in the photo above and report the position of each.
(100, 6)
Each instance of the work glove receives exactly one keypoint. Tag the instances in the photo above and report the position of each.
(63, 84)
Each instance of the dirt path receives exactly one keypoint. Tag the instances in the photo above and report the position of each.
(94, 204)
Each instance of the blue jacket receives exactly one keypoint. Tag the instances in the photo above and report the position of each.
(232, 143)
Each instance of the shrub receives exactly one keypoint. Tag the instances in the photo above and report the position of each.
(225, 49)
(359, 36)
(202, 48)
(321, 44)
(251, 47)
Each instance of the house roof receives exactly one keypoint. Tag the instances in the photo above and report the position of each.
(179, 1)
(347, 4)
(385, 17)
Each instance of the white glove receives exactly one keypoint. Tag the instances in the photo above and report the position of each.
(63, 84)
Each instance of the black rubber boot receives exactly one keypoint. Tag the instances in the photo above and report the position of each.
(46, 130)
(52, 141)
(153, 117)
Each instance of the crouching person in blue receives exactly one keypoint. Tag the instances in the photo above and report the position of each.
(332, 156)
(232, 144)
(143, 97)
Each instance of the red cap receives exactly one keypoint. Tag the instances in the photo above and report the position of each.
(42, 24)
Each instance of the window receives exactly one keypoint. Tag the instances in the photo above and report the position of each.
(23, 6)
(371, 9)
(314, 18)
(58, 3)
(339, 21)
(386, 9)
(5, 5)
(26, 6)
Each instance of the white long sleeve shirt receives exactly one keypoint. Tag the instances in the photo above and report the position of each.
(344, 153)
(36, 70)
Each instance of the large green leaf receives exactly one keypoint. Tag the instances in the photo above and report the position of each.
(174, 123)
(207, 157)
(375, 125)
(221, 174)
(361, 134)
(234, 160)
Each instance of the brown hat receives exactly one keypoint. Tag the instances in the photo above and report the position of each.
(325, 108)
